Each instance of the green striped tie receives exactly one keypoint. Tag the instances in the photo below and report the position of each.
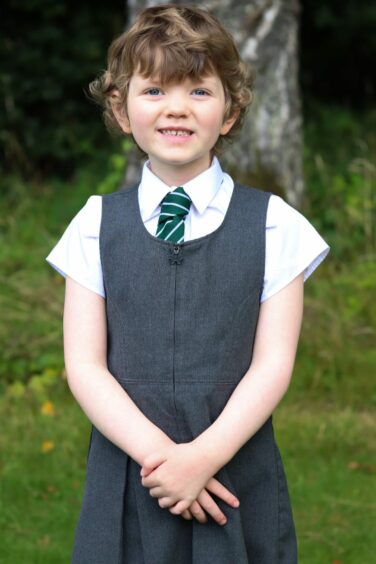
(174, 208)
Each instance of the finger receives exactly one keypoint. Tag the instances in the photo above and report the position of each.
(146, 471)
(165, 502)
(156, 492)
(208, 504)
(187, 515)
(179, 507)
(150, 481)
(197, 512)
(152, 461)
(219, 490)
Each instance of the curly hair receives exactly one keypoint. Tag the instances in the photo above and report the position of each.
(173, 42)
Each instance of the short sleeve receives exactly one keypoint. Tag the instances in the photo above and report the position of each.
(77, 252)
(292, 246)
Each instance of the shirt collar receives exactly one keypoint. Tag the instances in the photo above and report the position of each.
(201, 189)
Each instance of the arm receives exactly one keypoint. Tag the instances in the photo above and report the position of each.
(102, 398)
(250, 405)
(268, 378)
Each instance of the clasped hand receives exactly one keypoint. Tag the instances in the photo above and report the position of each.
(180, 476)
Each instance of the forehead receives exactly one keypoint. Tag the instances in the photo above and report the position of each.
(210, 80)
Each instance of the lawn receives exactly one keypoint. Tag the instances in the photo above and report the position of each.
(328, 455)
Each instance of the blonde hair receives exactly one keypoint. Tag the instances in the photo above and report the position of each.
(172, 42)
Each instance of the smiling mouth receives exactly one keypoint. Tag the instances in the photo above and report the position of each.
(176, 132)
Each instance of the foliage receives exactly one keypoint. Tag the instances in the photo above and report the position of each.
(338, 47)
(116, 165)
(340, 174)
(31, 296)
(336, 354)
(49, 53)
(52, 50)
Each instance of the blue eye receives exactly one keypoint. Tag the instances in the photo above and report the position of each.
(200, 91)
(154, 91)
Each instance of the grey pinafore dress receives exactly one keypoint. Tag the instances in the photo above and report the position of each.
(181, 324)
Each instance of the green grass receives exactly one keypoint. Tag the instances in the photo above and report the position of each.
(328, 456)
(31, 295)
(41, 492)
(336, 355)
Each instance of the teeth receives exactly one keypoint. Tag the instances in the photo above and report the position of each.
(178, 133)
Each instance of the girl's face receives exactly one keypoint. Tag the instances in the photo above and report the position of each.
(177, 125)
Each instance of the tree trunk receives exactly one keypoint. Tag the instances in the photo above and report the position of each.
(268, 152)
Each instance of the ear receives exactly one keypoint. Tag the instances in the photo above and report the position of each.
(227, 125)
(121, 116)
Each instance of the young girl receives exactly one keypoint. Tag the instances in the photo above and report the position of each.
(184, 298)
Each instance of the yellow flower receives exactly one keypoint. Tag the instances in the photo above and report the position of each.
(47, 446)
(48, 408)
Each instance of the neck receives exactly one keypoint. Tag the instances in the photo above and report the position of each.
(178, 175)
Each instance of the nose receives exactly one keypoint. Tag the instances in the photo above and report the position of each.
(177, 105)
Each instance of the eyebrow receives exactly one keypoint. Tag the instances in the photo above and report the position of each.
(156, 79)
(208, 82)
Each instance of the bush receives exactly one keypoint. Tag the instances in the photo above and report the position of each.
(50, 52)
(340, 151)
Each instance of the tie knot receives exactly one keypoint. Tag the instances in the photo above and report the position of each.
(176, 202)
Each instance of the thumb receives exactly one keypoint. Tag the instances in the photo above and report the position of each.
(151, 462)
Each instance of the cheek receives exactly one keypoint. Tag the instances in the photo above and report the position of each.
(140, 117)
(212, 117)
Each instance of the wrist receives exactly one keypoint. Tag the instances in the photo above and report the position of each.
(157, 444)
(212, 451)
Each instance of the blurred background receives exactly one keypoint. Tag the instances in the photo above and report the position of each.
(56, 153)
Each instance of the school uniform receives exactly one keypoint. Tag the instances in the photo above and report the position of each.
(181, 322)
